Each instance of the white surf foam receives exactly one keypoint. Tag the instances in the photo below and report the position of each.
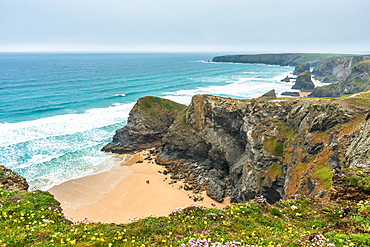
(13, 133)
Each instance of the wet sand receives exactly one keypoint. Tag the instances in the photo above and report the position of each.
(127, 191)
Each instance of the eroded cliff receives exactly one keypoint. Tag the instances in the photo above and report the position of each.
(147, 123)
(358, 80)
(334, 69)
(271, 147)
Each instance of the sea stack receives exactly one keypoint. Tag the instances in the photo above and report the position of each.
(304, 82)
(147, 123)
(300, 68)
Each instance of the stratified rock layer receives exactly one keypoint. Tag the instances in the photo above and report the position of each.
(10, 180)
(355, 82)
(147, 123)
(271, 147)
(334, 69)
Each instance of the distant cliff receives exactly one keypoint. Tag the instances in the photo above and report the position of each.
(358, 80)
(147, 123)
(283, 59)
(334, 69)
(271, 147)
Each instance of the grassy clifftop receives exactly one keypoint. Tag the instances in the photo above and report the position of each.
(34, 219)
(283, 59)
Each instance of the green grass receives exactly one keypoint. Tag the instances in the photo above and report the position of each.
(155, 106)
(324, 172)
(34, 219)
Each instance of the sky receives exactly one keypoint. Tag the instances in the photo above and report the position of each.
(339, 26)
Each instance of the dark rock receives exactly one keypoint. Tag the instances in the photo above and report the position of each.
(216, 189)
(147, 123)
(270, 94)
(300, 68)
(304, 82)
(293, 94)
(287, 79)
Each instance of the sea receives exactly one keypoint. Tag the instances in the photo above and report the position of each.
(58, 110)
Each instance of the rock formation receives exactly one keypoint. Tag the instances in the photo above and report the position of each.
(283, 59)
(293, 94)
(147, 123)
(10, 180)
(300, 68)
(270, 94)
(271, 147)
(287, 79)
(334, 69)
(356, 81)
(304, 82)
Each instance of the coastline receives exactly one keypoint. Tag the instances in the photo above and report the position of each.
(133, 189)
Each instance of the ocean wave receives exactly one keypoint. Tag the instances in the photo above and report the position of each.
(13, 133)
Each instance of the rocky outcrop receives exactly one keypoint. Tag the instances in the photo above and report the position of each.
(334, 69)
(147, 123)
(300, 68)
(287, 79)
(10, 180)
(304, 82)
(355, 82)
(283, 59)
(271, 147)
(292, 94)
(270, 94)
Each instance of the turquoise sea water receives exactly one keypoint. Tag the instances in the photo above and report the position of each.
(58, 110)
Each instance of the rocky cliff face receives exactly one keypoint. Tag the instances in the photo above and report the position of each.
(334, 69)
(300, 68)
(304, 82)
(147, 123)
(271, 147)
(358, 80)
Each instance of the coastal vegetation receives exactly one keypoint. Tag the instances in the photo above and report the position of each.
(34, 219)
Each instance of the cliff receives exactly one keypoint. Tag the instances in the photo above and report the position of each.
(300, 68)
(147, 123)
(10, 180)
(358, 80)
(271, 147)
(283, 59)
(334, 69)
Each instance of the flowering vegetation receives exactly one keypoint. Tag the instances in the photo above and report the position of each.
(35, 219)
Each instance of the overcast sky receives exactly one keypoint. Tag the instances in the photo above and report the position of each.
(185, 25)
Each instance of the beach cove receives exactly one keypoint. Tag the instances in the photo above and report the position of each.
(135, 188)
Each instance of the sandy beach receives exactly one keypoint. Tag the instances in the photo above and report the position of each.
(134, 188)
